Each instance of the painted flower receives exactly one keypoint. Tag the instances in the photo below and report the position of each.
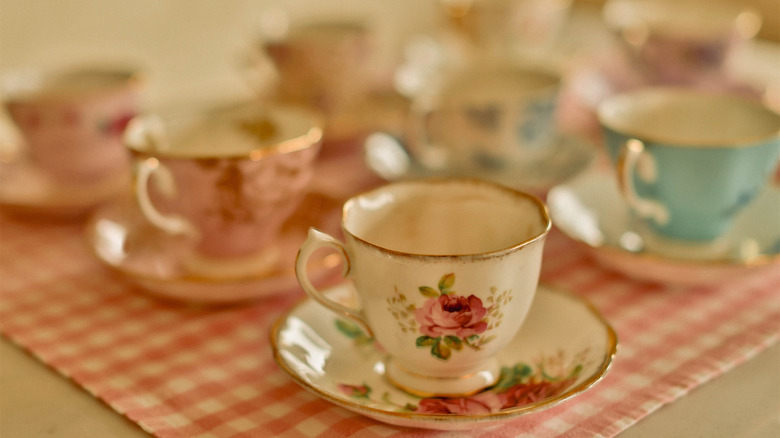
(452, 315)
(357, 391)
(483, 403)
(531, 392)
(116, 126)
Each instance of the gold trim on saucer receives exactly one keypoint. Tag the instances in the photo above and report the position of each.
(433, 418)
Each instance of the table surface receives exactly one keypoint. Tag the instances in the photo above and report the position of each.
(743, 403)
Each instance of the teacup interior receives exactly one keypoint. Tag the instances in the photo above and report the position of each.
(675, 116)
(223, 131)
(496, 83)
(445, 217)
(27, 85)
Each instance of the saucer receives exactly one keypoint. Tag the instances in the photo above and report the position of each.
(564, 348)
(122, 239)
(390, 159)
(27, 190)
(590, 210)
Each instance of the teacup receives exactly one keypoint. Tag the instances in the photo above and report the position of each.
(445, 272)
(325, 65)
(689, 161)
(226, 176)
(681, 41)
(507, 26)
(486, 120)
(72, 120)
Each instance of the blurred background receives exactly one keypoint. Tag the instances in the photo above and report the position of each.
(201, 40)
(188, 46)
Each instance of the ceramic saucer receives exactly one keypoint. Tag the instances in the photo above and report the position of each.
(590, 210)
(564, 348)
(27, 190)
(388, 157)
(122, 239)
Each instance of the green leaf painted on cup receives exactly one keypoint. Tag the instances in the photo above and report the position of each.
(446, 282)
(429, 292)
(441, 350)
(454, 342)
(426, 341)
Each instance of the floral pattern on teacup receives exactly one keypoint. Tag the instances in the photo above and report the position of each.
(519, 385)
(447, 321)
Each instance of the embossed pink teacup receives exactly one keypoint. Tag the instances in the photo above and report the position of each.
(226, 177)
(72, 120)
(327, 65)
(681, 41)
(445, 272)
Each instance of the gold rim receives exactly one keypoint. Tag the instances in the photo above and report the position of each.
(606, 108)
(597, 376)
(541, 208)
(311, 138)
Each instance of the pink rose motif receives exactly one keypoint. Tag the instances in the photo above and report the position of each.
(452, 315)
(483, 403)
(531, 392)
(358, 391)
(116, 126)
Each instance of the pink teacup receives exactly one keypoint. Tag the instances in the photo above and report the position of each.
(72, 120)
(681, 41)
(225, 176)
(324, 65)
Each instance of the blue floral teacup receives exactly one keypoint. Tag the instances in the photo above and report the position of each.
(445, 272)
(487, 119)
(688, 161)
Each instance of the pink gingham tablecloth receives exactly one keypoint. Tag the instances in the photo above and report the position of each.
(181, 371)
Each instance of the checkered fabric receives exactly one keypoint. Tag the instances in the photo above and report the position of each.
(182, 371)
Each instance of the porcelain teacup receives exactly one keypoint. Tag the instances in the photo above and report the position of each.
(487, 120)
(325, 65)
(225, 176)
(72, 120)
(681, 41)
(505, 27)
(445, 272)
(689, 161)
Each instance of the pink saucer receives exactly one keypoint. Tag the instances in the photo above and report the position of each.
(28, 191)
(122, 239)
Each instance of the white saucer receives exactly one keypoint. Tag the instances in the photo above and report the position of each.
(389, 158)
(590, 210)
(333, 359)
(125, 241)
(27, 190)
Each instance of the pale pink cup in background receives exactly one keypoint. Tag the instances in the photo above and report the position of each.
(681, 41)
(72, 120)
(324, 65)
(226, 177)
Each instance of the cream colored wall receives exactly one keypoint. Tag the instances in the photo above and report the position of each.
(189, 46)
(193, 46)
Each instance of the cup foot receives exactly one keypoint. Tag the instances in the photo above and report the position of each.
(231, 267)
(441, 386)
(685, 249)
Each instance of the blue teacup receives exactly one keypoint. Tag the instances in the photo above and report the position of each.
(688, 161)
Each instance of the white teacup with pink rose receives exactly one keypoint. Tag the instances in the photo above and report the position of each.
(227, 177)
(445, 272)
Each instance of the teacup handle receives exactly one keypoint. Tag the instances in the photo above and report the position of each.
(628, 158)
(420, 143)
(315, 240)
(171, 224)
